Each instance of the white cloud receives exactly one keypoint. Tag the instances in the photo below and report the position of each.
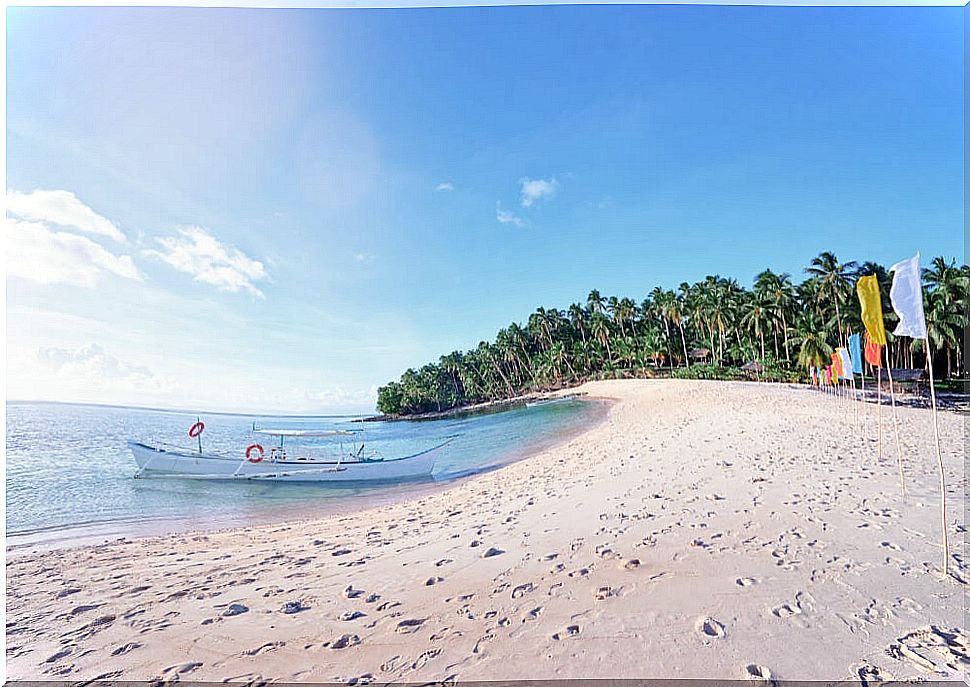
(445, 186)
(62, 208)
(537, 189)
(507, 217)
(39, 254)
(93, 363)
(363, 257)
(197, 252)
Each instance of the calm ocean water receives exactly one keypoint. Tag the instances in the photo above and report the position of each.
(70, 476)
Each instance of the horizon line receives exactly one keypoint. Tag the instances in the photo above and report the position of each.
(449, 4)
(190, 411)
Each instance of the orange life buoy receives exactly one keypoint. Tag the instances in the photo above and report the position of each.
(196, 429)
(257, 449)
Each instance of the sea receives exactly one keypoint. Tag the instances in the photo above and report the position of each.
(70, 477)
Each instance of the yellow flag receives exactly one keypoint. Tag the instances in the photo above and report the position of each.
(868, 289)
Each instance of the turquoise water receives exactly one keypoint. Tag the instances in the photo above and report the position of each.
(69, 472)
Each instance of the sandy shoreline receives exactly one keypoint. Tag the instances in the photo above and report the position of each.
(706, 530)
(99, 532)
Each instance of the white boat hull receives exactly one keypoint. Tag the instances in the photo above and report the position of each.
(158, 462)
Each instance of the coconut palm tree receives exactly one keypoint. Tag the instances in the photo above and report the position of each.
(814, 350)
(834, 283)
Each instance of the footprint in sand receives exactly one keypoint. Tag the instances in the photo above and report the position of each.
(709, 627)
(570, 631)
(746, 581)
(603, 593)
(351, 615)
(410, 625)
(871, 675)
(391, 664)
(630, 564)
(59, 655)
(522, 590)
(426, 656)
(754, 671)
(934, 650)
(269, 646)
(532, 615)
(172, 673)
(786, 610)
(343, 641)
(125, 648)
(433, 580)
(234, 609)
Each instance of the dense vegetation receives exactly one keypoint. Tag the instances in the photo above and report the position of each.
(782, 325)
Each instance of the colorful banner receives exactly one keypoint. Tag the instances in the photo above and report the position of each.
(873, 352)
(845, 364)
(868, 290)
(906, 296)
(828, 375)
(855, 351)
(836, 365)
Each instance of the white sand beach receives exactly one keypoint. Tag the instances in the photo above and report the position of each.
(702, 530)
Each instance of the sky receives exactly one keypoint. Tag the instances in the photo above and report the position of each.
(281, 210)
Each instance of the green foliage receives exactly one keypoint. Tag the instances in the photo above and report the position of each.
(709, 372)
(783, 326)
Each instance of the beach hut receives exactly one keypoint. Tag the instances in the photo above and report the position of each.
(699, 355)
(753, 369)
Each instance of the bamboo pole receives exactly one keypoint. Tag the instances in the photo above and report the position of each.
(879, 406)
(939, 457)
(899, 450)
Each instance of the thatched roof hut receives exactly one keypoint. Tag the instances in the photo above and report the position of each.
(699, 354)
(753, 366)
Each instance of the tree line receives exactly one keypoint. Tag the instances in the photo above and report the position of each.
(702, 329)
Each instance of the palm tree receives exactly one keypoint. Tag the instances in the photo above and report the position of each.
(780, 293)
(815, 350)
(577, 317)
(947, 302)
(835, 282)
(757, 318)
(600, 328)
(595, 302)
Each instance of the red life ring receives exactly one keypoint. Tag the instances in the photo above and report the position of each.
(196, 429)
(254, 448)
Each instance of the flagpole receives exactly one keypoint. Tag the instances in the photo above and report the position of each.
(879, 406)
(892, 396)
(939, 457)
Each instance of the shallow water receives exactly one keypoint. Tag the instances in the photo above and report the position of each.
(69, 473)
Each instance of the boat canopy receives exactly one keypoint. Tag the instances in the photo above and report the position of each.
(308, 432)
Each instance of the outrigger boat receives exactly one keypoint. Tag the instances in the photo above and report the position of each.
(354, 465)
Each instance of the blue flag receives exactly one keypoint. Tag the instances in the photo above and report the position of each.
(855, 353)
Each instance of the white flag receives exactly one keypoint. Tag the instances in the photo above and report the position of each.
(906, 295)
(846, 363)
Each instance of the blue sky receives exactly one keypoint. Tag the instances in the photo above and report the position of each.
(280, 210)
